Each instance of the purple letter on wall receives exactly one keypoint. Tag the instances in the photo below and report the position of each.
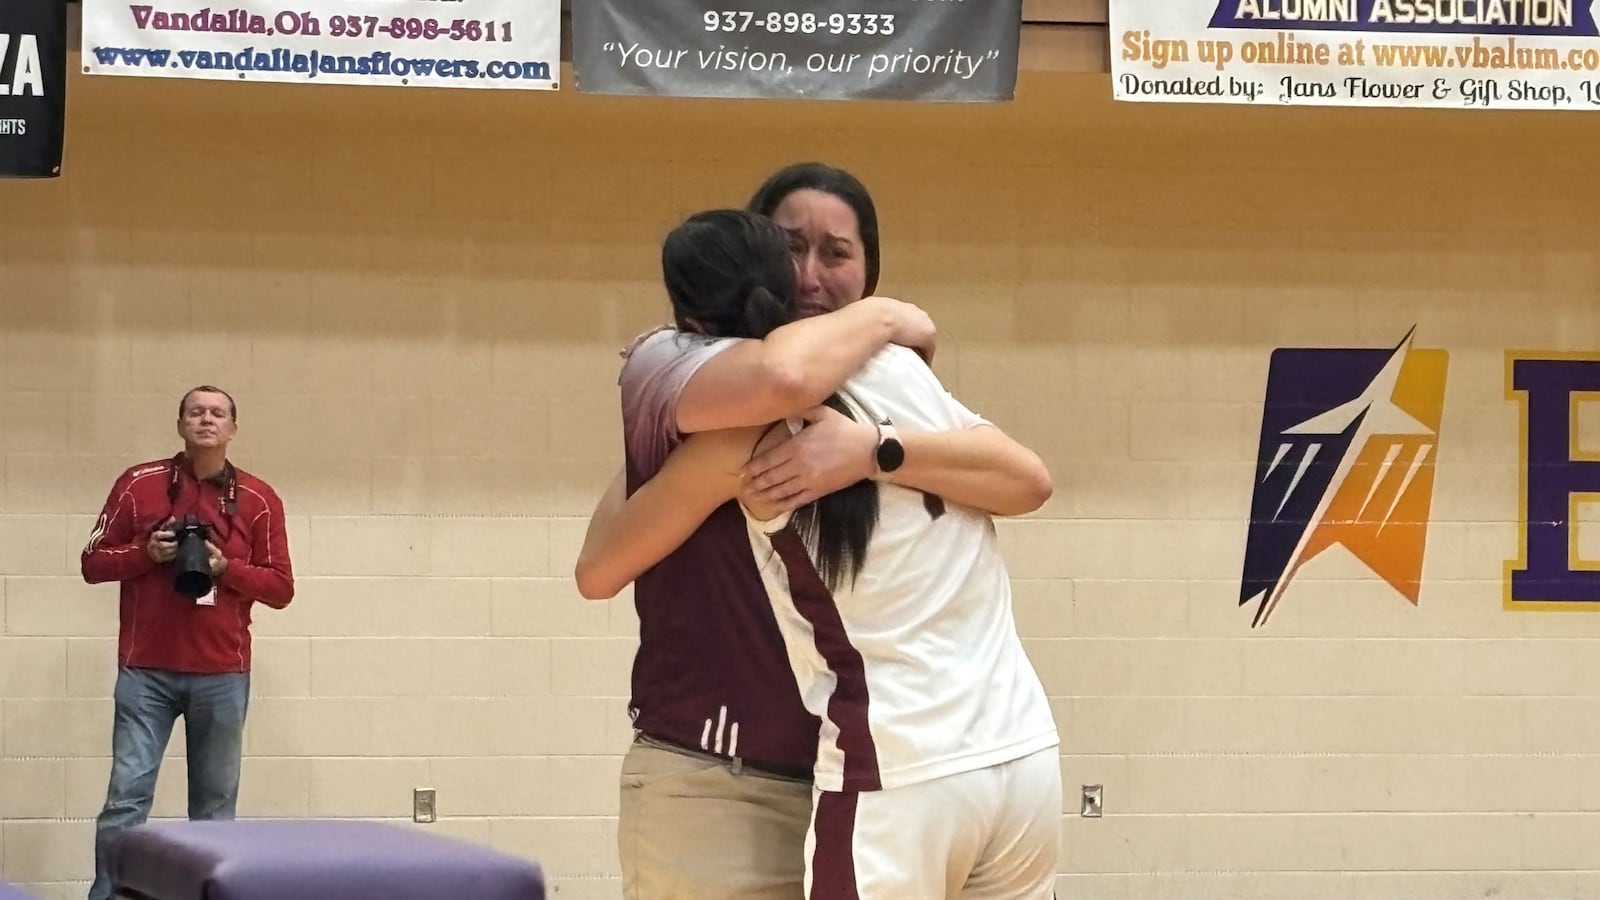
(1554, 470)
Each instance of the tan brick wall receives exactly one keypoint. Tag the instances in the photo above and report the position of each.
(417, 297)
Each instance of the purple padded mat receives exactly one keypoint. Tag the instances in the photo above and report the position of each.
(299, 859)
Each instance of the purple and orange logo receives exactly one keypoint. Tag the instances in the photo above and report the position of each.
(1349, 438)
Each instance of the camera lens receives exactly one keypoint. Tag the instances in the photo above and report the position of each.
(192, 564)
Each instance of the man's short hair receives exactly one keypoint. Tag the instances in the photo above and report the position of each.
(233, 408)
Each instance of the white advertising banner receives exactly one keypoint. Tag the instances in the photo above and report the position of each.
(1484, 54)
(416, 43)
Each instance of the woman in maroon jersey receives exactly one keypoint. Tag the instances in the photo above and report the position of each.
(716, 788)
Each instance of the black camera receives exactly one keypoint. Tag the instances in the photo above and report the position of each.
(192, 564)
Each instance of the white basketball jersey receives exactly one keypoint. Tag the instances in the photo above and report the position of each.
(915, 668)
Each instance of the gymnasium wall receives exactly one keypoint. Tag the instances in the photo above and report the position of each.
(417, 298)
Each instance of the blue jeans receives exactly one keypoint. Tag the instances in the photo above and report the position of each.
(148, 703)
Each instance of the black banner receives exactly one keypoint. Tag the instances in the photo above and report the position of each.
(33, 87)
(950, 50)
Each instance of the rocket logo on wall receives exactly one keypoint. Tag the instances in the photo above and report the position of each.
(1348, 443)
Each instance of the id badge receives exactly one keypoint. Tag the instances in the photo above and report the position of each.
(209, 599)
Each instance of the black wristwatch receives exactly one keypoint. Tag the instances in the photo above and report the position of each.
(891, 453)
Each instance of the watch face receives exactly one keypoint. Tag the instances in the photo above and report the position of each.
(890, 455)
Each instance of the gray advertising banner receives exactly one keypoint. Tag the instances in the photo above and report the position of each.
(932, 50)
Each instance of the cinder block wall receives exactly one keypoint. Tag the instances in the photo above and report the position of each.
(418, 298)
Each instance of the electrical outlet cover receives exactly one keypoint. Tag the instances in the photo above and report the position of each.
(423, 808)
(1093, 799)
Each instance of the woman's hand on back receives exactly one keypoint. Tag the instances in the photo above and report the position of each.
(832, 452)
(911, 326)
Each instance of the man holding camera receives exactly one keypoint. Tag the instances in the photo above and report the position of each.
(195, 543)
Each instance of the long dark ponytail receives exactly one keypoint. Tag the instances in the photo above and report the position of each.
(728, 273)
(838, 527)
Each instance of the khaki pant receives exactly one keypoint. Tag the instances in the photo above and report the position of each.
(690, 829)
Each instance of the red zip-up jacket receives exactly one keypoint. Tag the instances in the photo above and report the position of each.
(161, 628)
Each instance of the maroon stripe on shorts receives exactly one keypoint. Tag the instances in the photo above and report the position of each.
(833, 859)
(847, 708)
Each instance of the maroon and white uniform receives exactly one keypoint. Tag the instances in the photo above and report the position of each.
(711, 673)
(937, 766)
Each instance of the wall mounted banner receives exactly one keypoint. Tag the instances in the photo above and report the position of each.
(945, 50)
(418, 43)
(1487, 54)
(33, 87)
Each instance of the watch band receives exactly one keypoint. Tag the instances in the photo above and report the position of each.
(890, 453)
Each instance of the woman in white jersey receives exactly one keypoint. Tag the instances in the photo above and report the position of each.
(937, 770)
